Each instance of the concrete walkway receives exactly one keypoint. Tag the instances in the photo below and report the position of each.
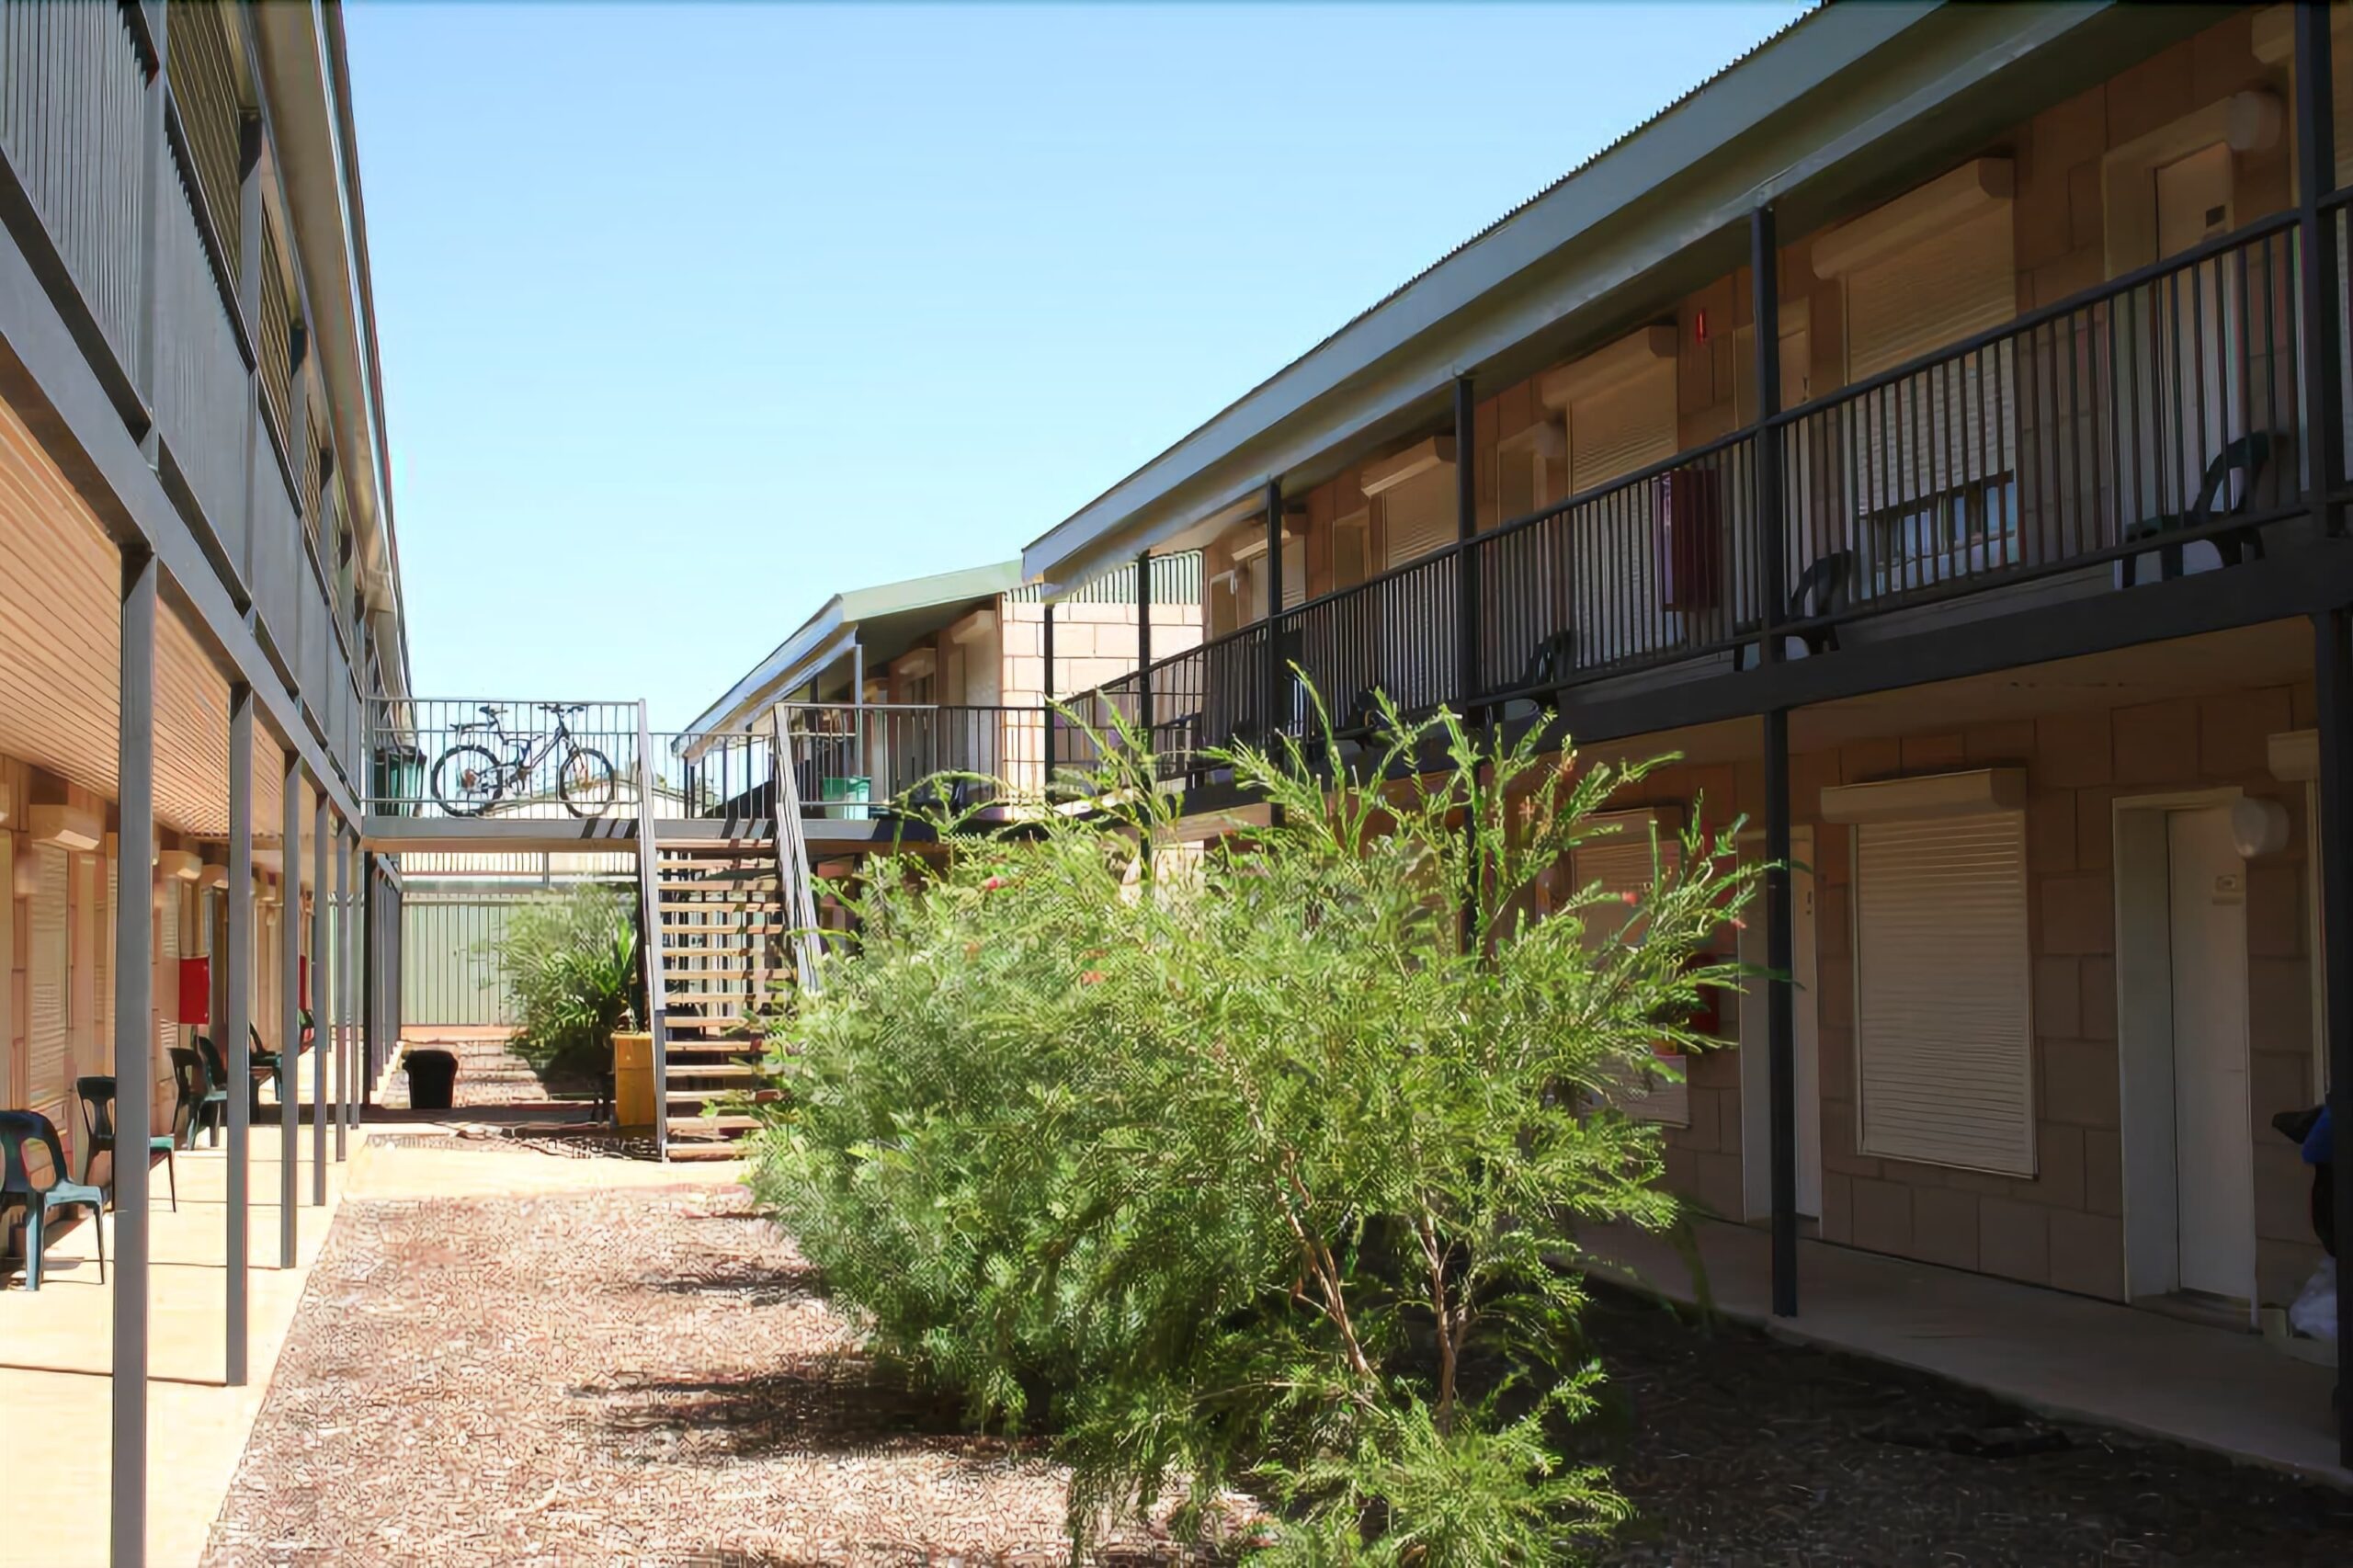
(2065, 1355)
(56, 1349)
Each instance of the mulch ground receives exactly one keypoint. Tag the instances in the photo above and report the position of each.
(651, 1376)
(638, 1376)
(1743, 1451)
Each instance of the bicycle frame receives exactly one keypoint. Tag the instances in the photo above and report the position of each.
(528, 751)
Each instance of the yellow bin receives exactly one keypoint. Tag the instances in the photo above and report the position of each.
(633, 1096)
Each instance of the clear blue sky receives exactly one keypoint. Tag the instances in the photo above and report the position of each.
(692, 317)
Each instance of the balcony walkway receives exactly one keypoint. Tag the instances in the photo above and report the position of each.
(2066, 1356)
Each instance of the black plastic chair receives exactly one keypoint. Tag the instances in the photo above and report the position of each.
(19, 1128)
(2248, 455)
(1823, 590)
(1550, 664)
(200, 1099)
(97, 1093)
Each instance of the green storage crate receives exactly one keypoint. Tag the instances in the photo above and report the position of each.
(846, 800)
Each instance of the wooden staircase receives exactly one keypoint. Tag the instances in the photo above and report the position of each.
(724, 955)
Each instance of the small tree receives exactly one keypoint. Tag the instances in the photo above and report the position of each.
(1266, 1165)
(570, 962)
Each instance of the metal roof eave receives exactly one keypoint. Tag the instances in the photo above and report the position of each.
(813, 647)
(1495, 294)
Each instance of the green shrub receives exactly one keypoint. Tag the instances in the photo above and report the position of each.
(569, 961)
(1264, 1166)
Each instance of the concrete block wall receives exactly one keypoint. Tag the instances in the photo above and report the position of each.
(2065, 1226)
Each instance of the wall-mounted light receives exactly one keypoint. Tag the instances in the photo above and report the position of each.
(177, 865)
(7, 804)
(2259, 827)
(212, 877)
(68, 828)
(24, 878)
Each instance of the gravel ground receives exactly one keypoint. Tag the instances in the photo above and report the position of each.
(624, 1377)
(1743, 1451)
(647, 1376)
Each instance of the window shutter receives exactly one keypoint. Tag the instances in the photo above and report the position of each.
(1622, 428)
(1621, 864)
(1945, 1068)
(1930, 434)
(168, 981)
(1419, 517)
(49, 1091)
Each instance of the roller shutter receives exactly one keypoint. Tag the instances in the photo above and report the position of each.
(1944, 1061)
(46, 963)
(1933, 432)
(1622, 428)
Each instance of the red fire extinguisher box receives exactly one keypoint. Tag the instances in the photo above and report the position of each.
(196, 991)
(1690, 544)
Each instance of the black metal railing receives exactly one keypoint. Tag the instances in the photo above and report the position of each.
(515, 759)
(2128, 425)
(2151, 426)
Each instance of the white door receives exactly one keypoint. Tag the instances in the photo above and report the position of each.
(2213, 1176)
(1756, 1101)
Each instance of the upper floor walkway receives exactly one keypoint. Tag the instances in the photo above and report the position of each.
(2082, 457)
(453, 775)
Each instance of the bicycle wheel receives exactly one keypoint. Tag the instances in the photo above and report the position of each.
(586, 782)
(468, 780)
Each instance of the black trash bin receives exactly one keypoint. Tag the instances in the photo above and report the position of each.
(432, 1075)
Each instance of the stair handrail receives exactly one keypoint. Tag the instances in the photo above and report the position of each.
(649, 946)
(793, 871)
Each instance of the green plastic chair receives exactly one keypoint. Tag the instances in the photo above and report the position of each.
(18, 1129)
(265, 1065)
(200, 1099)
(97, 1092)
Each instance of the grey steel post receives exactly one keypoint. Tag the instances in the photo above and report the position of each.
(237, 1015)
(289, 1006)
(1466, 529)
(134, 1047)
(372, 974)
(649, 914)
(1780, 946)
(2318, 261)
(2333, 696)
(322, 1031)
(856, 703)
(342, 990)
(1143, 646)
(1276, 680)
(1046, 692)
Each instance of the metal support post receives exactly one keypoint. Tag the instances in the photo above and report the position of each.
(134, 1048)
(289, 1006)
(2319, 261)
(321, 1021)
(1466, 529)
(236, 1020)
(2333, 696)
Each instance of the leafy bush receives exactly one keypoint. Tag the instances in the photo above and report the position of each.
(571, 961)
(1264, 1164)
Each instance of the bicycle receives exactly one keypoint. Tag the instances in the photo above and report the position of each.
(469, 777)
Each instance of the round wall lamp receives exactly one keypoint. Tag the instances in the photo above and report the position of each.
(2259, 827)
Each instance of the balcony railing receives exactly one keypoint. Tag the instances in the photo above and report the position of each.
(2137, 431)
(536, 760)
